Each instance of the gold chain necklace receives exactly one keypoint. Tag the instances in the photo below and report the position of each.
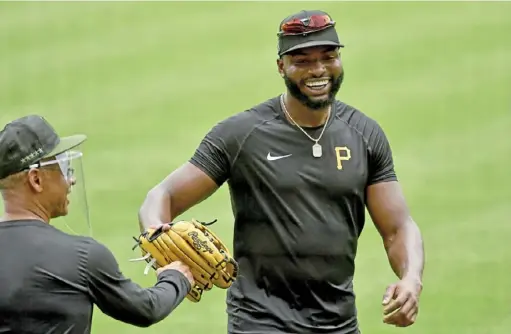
(317, 150)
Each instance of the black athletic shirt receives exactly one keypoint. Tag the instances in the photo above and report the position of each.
(297, 217)
(50, 280)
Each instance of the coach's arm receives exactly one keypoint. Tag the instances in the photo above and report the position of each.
(123, 299)
(404, 246)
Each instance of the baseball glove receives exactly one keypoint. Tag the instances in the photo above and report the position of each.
(194, 244)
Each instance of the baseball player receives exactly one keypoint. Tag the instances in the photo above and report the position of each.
(301, 167)
(50, 280)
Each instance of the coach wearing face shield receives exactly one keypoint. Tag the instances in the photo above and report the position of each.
(50, 280)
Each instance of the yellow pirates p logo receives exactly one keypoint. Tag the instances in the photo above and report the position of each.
(343, 154)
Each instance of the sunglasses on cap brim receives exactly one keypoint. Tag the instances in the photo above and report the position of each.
(307, 25)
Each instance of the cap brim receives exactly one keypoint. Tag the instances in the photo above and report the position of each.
(66, 144)
(312, 44)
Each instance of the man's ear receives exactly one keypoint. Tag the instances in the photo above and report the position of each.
(280, 66)
(35, 180)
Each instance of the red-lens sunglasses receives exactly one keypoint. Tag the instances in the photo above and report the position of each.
(303, 26)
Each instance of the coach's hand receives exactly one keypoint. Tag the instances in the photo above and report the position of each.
(401, 303)
(181, 267)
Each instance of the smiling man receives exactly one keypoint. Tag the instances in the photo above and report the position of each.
(301, 169)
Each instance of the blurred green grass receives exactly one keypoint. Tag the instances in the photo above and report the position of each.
(146, 81)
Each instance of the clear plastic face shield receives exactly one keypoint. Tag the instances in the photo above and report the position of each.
(74, 216)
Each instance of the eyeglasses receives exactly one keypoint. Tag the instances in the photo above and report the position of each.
(66, 166)
(64, 162)
(302, 26)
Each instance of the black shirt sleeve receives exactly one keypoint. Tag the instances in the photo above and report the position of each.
(212, 159)
(218, 150)
(381, 162)
(126, 301)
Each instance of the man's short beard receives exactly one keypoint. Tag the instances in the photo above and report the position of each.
(295, 91)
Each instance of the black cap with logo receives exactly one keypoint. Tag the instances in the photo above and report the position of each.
(305, 29)
(27, 140)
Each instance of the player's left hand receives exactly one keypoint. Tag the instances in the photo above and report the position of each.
(401, 303)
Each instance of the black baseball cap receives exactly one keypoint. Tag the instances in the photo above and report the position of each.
(306, 34)
(29, 139)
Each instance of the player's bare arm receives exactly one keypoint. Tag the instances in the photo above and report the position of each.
(179, 191)
(195, 180)
(404, 246)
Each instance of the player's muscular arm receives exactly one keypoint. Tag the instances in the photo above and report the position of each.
(194, 181)
(388, 209)
(401, 235)
(185, 187)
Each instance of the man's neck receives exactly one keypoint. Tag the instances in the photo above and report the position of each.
(14, 211)
(303, 115)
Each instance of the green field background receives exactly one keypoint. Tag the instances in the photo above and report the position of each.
(146, 81)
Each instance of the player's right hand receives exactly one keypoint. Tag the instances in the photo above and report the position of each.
(165, 228)
(179, 266)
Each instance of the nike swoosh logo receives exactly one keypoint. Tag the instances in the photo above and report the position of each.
(271, 158)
